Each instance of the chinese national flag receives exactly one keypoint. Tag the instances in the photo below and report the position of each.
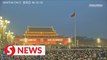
(73, 14)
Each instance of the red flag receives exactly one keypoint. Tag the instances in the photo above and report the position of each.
(73, 14)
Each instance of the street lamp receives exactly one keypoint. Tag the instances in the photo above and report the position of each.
(0, 17)
(3, 25)
(69, 43)
(98, 42)
(7, 22)
(9, 36)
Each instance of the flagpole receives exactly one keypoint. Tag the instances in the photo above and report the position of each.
(74, 18)
(75, 30)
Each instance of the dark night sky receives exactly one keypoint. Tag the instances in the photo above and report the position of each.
(91, 21)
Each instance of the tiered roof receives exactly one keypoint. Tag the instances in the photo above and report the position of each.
(40, 31)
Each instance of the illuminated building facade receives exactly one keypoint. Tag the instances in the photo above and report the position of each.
(42, 35)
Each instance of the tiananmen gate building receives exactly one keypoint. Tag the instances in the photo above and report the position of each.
(41, 35)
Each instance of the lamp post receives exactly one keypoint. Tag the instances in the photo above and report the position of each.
(98, 42)
(3, 26)
(69, 43)
(9, 36)
(1, 17)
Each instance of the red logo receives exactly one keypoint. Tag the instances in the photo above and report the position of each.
(9, 50)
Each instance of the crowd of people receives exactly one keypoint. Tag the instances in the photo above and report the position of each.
(78, 54)
(66, 54)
